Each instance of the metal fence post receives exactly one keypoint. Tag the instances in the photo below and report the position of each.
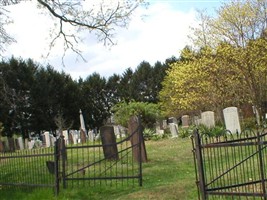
(200, 168)
(63, 155)
(141, 139)
(56, 167)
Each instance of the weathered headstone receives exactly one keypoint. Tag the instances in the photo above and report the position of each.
(137, 138)
(31, 144)
(52, 140)
(164, 124)
(231, 119)
(185, 121)
(47, 139)
(16, 144)
(173, 125)
(196, 120)
(109, 142)
(11, 144)
(2, 148)
(208, 119)
(159, 130)
(82, 136)
(26, 143)
(91, 135)
(21, 143)
(66, 136)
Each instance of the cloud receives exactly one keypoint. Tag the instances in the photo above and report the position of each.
(154, 34)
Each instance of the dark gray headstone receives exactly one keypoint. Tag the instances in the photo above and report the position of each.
(82, 136)
(137, 136)
(109, 142)
(2, 148)
(11, 144)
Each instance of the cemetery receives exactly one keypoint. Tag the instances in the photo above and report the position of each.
(122, 158)
(192, 127)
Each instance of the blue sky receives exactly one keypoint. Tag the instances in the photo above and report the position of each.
(160, 35)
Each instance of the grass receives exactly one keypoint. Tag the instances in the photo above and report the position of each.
(169, 174)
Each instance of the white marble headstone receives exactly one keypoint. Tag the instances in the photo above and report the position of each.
(208, 119)
(47, 139)
(231, 119)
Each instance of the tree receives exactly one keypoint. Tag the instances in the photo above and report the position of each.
(95, 102)
(242, 25)
(99, 17)
(15, 86)
(149, 112)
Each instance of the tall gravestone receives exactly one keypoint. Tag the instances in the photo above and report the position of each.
(21, 143)
(82, 136)
(66, 136)
(108, 140)
(47, 139)
(208, 119)
(137, 138)
(11, 144)
(231, 119)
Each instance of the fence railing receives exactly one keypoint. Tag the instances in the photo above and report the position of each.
(94, 162)
(231, 165)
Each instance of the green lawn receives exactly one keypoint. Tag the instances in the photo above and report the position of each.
(169, 174)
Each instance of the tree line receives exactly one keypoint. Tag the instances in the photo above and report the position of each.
(36, 98)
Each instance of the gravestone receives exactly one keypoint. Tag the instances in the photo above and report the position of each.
(16, 143)
(26, 143)
(21, 143)
(173, 125)
(66, 136)
(91, 135)
(2, 148)
(208, 119)
(196, 120)
(164, 124)
(31, 144)
(11, 144)
(82, 136)
(109, 142)
(137, 135)
(47, 139)
(231, 119)
(159, 130)
(185, 121)
(52, 140)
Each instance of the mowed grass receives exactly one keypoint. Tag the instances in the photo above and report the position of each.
(168, 174)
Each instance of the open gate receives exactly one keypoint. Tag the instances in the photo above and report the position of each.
(103, 162)
(231, 166)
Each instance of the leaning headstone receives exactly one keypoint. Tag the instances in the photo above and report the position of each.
(208, 119)
(82, 136)
(137, 135)
(47, 139)
(185, 121)
(173, 125)
(109, 142)
(21, 143)
(231, 119)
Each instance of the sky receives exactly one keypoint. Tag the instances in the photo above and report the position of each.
(155, 33)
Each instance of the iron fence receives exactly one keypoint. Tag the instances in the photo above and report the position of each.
(231, 166)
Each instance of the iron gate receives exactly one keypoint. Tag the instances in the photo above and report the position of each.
(231, 166)
(96, 163)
